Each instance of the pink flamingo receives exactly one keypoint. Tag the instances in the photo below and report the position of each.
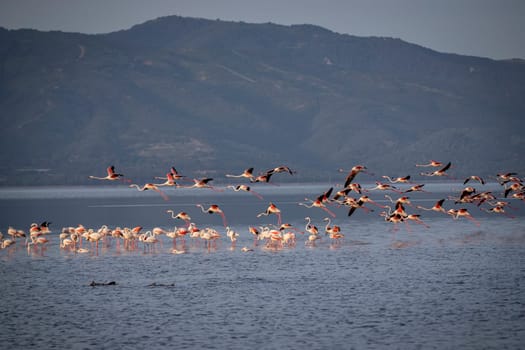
(203, 183)
(440, 172)
(111, 175)
(432, 163)
(247, 173)
(180, 215)
(246, 189)
(150, 186)
(214, 209)
(457, 213)
(317, 203)
(272, 209)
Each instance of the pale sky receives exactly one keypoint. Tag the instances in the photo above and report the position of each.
(486, 28)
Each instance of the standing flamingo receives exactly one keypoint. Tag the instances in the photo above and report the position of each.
(272, 209)
(150, 186)
(214, 209)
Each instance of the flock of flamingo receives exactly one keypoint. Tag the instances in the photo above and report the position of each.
(352, 195)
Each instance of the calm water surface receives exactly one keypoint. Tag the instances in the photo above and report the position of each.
(454, 285)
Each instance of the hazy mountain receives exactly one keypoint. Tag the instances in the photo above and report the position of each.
(216, 97)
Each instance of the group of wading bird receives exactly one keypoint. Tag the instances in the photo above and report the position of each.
(281, 234)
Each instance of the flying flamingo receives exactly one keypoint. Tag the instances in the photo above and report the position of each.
(247, 173)
(246, 189)
(405, 179)
(181, 215)
(438, 206)
(456, 213)
(359, 203)
(432, 163)
(174, 174)
(203, 183)
(498, 209)
(214, 209)
(515, 187)
(281, 169)
(352, 173)
(384, 187)
(440, 172)
(150, 186)
(474, 178)
(416, 188)
(272, 209)
(111, 175)
(417, 219)
(170, 181)
(265, 177)
(318, 203)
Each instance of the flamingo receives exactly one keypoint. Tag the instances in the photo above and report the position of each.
(440, 172)
(394, 218)
(457, 213)
(272, 209)
(417, 219)
(405, 179)
(474, 178)
(498, 209)
(247, 173)
(384, 187)
(180, 215)
(170, 181)
(246, 189)
(515, 187)
(265, 177)
(312, 229)
(255, 232)
(281, 169)
(203, 183)
(318, 203)
(111, 175)
(232, 235)
(438, 206)
(174, 174)
(416, 188)
(6, 243)
(432, 163)
(150, 186)
(214, 209)
(359, 203)
(503, 178)
(352, 173)
(328, 229)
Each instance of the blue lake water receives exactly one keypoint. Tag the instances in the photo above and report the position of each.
(452, 285)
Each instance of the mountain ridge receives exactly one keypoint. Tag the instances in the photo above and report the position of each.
(211, 96)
